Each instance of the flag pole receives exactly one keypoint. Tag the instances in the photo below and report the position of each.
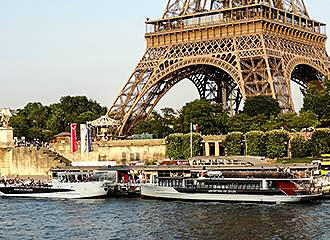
(81, 143)
(87, 144)
(191, 140)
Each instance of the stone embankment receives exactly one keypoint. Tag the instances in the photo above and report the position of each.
(32, 162)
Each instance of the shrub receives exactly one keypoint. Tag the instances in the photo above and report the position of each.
(179, 145)
(321, 141)
(233, 143)
(277, 143)
(300, 147)
(255, 143)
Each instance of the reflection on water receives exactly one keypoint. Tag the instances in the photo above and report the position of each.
(153, 219)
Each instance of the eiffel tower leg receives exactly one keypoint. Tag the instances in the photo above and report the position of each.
(289, 60)
(258, 64)
(163, 78)
(135, 84)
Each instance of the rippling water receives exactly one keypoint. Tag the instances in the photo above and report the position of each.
(152, 219)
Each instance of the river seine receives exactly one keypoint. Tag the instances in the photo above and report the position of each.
(152, 219)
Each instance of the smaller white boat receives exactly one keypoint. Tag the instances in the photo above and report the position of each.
(72, 185)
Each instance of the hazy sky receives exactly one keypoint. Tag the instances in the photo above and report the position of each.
(53, 48)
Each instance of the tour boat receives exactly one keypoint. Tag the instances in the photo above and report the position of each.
(71, 185)
(223, 189)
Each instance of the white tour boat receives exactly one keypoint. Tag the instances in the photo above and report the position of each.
(71, 185)
(224, 189)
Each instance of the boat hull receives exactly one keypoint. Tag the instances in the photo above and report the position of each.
(170, 193)
(63, 190)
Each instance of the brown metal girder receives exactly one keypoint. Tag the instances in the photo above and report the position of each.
(148, 86)
(164, 92)
(125, 95)
(177, 79)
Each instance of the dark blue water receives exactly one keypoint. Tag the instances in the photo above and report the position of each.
(153, 219)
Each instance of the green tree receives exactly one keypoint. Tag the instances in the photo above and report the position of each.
(317, 100)
(86, 117)
(36, 121)
(30, 121)
(155, 125)
(240, 123)
(261, 105)
(258, 122)
(291, 121)
(306, 120)
(73, 107)
(287, 121)
(20, 125)
(203, 113)
(222, 121)
(56, 121)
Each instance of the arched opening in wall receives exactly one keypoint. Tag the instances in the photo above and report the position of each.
(302, 75)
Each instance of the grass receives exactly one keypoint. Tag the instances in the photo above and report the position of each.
(296, 160)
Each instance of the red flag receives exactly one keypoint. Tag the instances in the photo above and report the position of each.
(196, 128)
(74, 145)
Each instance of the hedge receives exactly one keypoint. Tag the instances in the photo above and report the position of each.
(277, 144)
(300, 147)
(272, 144)
(320, 141)
(255, 143)
(179, 145)
(233, 143)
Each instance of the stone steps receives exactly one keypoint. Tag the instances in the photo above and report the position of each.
(56, 157)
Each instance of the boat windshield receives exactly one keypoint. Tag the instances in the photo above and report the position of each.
(86, 177)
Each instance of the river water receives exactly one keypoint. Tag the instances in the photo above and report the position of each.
(122, 218)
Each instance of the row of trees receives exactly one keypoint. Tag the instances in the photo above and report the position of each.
(278, 143)
(272, 144)
(36, 121)
(260, 113)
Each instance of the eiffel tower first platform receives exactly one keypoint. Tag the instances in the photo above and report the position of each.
(230, 50)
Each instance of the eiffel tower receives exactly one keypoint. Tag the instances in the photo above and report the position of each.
(230, 50)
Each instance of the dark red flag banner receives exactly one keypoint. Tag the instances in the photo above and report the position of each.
(74, 145)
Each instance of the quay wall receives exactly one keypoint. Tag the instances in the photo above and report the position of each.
(25, 161)
(6, 156)
(32, 161)
(6, 150)
(120, 151)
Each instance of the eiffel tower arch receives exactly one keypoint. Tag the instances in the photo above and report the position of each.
(230, 50)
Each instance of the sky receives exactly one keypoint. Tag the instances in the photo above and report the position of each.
(54, 48)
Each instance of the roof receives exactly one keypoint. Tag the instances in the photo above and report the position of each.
(63, 134)
(104, 121)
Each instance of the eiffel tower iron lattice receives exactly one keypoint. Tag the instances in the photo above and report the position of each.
(230, 50)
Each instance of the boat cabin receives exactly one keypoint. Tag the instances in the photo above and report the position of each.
(76, 176)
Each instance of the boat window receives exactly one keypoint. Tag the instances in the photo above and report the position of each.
(325, 167)
(271, 184)
(201, 185)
